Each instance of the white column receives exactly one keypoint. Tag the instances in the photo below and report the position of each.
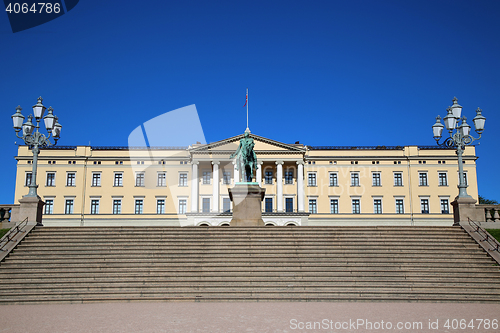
(300, 186)
(236, 173)
(259, 173)
(215, 192)
(194, 187)
(279, 186)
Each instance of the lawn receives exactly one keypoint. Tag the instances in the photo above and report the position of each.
(495, 233)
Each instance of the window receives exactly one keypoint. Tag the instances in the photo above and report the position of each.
(354, 179)
(311, 179)
(226, 178)
(424, 206)
(182, 206)
(94, 206)
(70, 179)
(422, 179)
(68, 206)
(288, 177)
(398, 179)
(139, 206)
(355, 206)
(206, 205)
(377, 206)
(376, 179)
(162, 179)
(160, 206)
(313, 207)
(400, 208)
(28, 178)
(445, 208)
(334, 180)
(268, 177)
(206, 177)
(443, 179)
(465, 178)
(269, 205)
(226, 205)
(96, 179)
(117, 206)
(334, 206)
(139, 179)
(289, 205)
(118, 179)
(183, 179)
(51, 179)
(49, 206)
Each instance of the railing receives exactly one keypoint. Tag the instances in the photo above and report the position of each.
(12, 233)
(483, 233)
(491, 212)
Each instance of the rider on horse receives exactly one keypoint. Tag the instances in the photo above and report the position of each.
(246, 159)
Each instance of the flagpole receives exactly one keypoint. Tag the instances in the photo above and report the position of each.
(248, 129)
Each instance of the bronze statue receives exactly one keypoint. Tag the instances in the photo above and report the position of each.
(246, 159)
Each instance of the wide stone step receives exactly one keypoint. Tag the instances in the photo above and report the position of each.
(243, 278)
(271, 295)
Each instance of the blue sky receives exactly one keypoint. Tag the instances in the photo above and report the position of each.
(319, 72)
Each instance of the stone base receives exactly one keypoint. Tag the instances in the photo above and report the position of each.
(247, 208)
(465, 208)
(31, 208)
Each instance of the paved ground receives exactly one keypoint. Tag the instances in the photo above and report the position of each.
(248, 317)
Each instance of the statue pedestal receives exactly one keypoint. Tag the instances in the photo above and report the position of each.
(247, 209)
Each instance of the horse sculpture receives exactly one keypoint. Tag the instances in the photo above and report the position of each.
(246, 159)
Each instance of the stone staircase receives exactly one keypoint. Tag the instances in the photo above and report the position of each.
(102, 264)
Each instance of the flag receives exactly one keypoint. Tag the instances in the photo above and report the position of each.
(246, 100)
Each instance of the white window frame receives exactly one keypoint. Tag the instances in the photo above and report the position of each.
(396, 199)
(358, 199)
(183, 179)
(30, 174)
(140, 179)
(426, 198)
(355, 179)
(118, 181)
(94, 208)
(183, 207)
(333, 179)
(68, 178)
(332, 206)
(312, 179)
(423, 181)
(379, 178)
(160, 209)
(440, 183)
(161, 179)
(119, 211)
(53, 179)
(98, 178)
(72, 206)
(398, 178)
(48, 209)
(381, 205)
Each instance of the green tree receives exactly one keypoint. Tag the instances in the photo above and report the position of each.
(484, 201)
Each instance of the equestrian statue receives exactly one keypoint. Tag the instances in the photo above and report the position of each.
(246, 159)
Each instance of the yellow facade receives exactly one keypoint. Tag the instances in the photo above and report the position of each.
(305, 185)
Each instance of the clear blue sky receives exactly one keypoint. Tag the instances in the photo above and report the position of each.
(322, 72)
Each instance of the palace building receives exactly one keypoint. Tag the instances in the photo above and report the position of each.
(188, 186)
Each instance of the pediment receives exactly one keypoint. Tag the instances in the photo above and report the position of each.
(263, 145)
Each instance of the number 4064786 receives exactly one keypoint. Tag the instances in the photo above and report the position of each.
(37, 8)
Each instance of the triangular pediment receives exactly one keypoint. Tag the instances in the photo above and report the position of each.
(262, 145)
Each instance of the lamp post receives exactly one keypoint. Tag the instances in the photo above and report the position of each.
(34, 139)
(459, 137)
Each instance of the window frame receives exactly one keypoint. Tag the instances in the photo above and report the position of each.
(139, 206)
(71, 179)
(140, 179)
(423, 179)
(118, 179)
(377, 206)
(183, 179)
(398, 178)
(443, 178)
(356, 205)
(355, 179)
(312, 180)
(313, 206)
(333, 179)
(94, 206)
(50, 179)
(96, 179)
(117, 206)
(69, 206)
(161, 179)
(334, 205)
(376, 178)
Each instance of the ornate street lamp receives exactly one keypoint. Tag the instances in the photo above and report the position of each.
(459, 137)
(33, 138)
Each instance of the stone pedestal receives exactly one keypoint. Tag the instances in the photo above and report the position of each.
(31, 208)
(247, 208)
(465, 208)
